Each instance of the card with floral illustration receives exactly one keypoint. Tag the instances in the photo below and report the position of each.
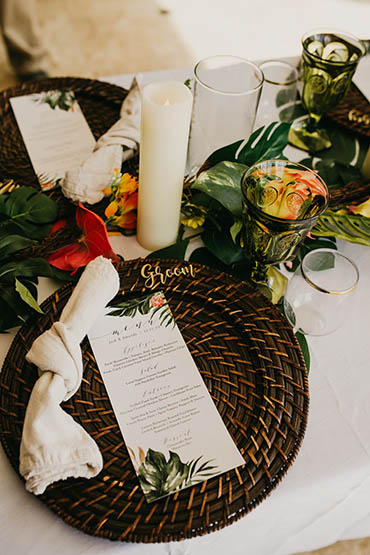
(55, 132)
(172, 429)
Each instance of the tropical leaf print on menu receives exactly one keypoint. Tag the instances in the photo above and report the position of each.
(63, 99)
(150, 304)
(159, 477)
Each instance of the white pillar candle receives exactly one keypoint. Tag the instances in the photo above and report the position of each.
(165, 121)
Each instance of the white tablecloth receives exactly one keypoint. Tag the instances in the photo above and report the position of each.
(323, 498)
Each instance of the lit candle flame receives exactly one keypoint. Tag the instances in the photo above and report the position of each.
(166, 103)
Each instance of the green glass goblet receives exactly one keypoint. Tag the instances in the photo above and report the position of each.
(282, 201)
(329, 60)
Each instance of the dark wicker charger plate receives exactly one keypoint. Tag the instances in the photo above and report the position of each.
(100, 103)
(353, 113)
(253, 367)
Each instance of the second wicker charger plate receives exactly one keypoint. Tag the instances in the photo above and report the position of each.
(100, 103)
(252, 365)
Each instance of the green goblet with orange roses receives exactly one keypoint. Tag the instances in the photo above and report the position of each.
(282, 201)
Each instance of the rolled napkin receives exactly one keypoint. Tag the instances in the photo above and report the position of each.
(54, 446)
(118, 144)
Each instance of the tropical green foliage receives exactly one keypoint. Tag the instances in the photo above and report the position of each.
(25, 217)
(26, 213)
(348, 227)
(62, 99)
(335, 174)
(159, 477)
(218, 193)
(149, 304)
(264, 144)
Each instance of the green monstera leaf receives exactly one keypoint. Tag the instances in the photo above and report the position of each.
(222, 183)
(353, 228)
(159, 477)
(264, 143)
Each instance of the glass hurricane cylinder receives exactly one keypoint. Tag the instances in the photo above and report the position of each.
(226, 95)
(282, 201)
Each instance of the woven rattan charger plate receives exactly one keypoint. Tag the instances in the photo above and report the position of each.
(252, 365)
(100, 103)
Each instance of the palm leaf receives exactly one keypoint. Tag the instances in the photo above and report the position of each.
(145, 306)
(348, 227)
(129, 308)
(205, 466)
(201, 473)
(166, 316)
(154, 311)
(192, 466)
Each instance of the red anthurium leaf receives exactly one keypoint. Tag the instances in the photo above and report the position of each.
(58, 225)
(94, 233)
(70, 258)
(93, 242)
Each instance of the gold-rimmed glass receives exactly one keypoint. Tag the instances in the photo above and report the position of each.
(279, 92)
(329, 61)
(320, 293)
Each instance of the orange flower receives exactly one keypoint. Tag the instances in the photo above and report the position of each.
(121, 211)
(127, 184)
(111, 209)
(157, 301)
(127, 221)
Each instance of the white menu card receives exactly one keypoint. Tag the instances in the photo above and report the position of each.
(55, 132)
(172, 429)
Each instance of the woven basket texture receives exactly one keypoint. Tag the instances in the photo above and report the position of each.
(100, 103)
(253, 367)
(353, 113)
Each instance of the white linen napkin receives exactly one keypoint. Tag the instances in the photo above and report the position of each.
(53, 445)
(118, 144)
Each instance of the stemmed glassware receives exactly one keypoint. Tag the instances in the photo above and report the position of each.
(320, 293)
(329, 60)
(282, 201)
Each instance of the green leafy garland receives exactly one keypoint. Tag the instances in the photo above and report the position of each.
(26, 217)
(212, 203)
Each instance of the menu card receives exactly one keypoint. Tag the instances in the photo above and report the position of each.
(173, 431)
(55, 132)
